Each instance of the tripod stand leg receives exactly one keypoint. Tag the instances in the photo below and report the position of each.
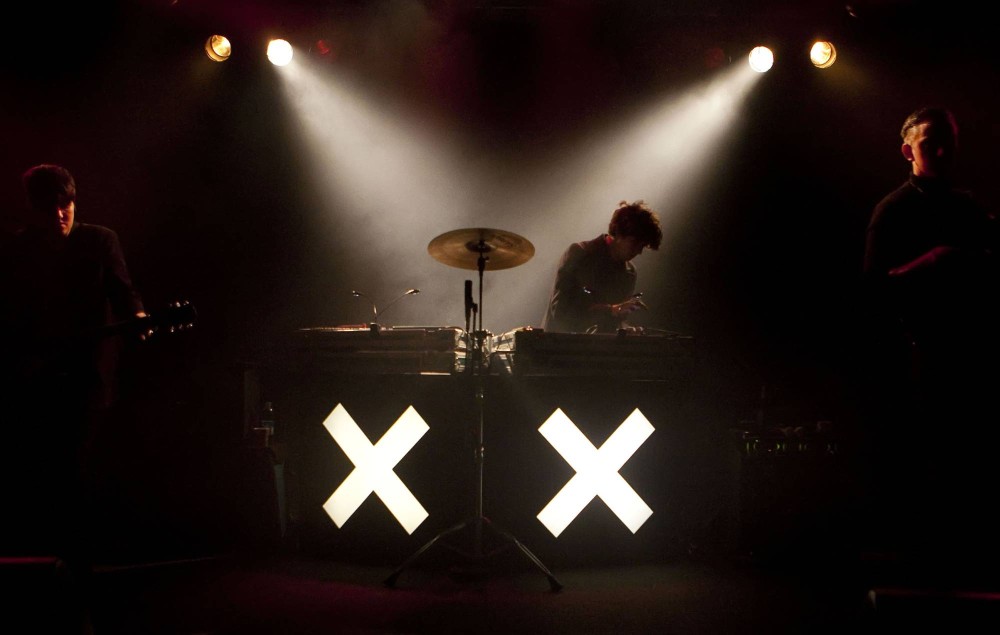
(391, 580)
(477, 366)
(554, 584)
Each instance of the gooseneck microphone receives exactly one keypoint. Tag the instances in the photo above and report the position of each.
(375, 312)
(469, 304)
(358, 294)
(378, 314)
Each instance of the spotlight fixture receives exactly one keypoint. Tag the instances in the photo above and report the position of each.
(279, 52)
(218, 48)
(823, 54)
(761, 59)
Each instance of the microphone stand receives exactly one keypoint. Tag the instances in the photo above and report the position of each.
(471, 308)
(375, 312)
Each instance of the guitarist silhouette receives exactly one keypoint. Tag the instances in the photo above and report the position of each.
(64, 284)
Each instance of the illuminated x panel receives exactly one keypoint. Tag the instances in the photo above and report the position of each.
(596, 471)
(373, 468)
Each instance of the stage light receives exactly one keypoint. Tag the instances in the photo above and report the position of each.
(373, 468)
(279, 52)
(823, 54)
(596, 471)
(218, 48)
(761, 59)
(346, 129)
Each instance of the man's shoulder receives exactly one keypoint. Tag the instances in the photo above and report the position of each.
(88, 234)
(594, 245)
(899, 197)
(968, 198)
(901, 193)
(90, 229)
(583, 248)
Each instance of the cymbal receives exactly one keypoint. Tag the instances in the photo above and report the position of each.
(462, 247)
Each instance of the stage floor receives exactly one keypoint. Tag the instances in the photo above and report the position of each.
(289, 595)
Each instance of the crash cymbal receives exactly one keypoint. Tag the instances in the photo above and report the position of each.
(462, 247)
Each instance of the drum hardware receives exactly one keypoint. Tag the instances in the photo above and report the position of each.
(474, 249)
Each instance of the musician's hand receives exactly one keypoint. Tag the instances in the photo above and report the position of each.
(628, 307)
(147, 331)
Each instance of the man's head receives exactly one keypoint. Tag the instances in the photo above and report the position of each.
(930, 141)
(633, 227)
(51, 193)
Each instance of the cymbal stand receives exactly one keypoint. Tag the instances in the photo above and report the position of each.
(479, 520)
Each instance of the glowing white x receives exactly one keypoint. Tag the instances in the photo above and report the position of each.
(373, 468)
(596, 471)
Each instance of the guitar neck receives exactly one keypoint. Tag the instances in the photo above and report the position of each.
(175, 317)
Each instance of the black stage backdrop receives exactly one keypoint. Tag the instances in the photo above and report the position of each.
(199, 169)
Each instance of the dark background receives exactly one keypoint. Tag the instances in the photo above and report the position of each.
(197, 167)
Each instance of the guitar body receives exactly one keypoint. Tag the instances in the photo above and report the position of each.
(80, 367)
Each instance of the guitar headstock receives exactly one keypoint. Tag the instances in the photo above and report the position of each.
(178, 316)
(175, 317)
